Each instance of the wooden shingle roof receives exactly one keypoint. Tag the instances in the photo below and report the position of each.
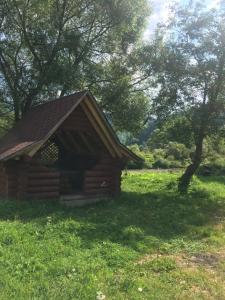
(30, 133)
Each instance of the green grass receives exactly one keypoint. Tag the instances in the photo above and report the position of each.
(151, 243)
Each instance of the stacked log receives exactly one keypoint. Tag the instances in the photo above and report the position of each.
(12, 182)
(3, 182)
(11, 169)
(117, 181)
(43, 182)
(103, 178)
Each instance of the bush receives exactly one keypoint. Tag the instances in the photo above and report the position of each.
(146, 155)
(178, 152)
(175, 155)
(161, 164)
(214, 167)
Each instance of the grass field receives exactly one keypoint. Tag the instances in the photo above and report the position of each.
(151, 243)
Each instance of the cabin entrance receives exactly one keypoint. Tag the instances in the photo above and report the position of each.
(74, 151)
(61, 155)
(72, 172)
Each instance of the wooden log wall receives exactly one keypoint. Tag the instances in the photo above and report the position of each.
(104, 178)
(42, 182)
(15, 179)
(3, 182)
(12, 173)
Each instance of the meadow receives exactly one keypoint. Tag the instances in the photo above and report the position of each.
(149, 243)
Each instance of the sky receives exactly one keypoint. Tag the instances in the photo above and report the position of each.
(161, 12)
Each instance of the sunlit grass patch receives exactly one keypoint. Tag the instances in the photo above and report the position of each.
(149, 243)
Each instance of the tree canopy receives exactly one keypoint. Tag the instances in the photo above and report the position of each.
(55, 47)
(186, 67)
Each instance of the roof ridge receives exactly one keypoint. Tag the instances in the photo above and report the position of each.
(57, 99)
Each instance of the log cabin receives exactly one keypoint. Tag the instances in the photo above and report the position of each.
(62, 149)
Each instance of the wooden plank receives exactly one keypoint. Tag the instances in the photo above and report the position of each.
(102, 168)
(40, 189)
(43, 175)
(98, 192)
(98, 179)
(72, 140)
(98, 130)
(99, 185)
(49, 195)
(40, 182)
(103, 127)
(39, 168)
(87, 143)
(97, 173)
(22, 180)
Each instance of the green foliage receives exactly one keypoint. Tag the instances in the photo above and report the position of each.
(185, 64)
(214, 156)
(214, 167)
(147, 158)
(160, 265)
(174, 155)
(178, 129)
(152, 243)
(6, 119)
(57, 47)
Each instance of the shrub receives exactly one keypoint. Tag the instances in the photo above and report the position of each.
(175, 155)
(161, 164)
(147, 158)
(214, 167)
(178, 151)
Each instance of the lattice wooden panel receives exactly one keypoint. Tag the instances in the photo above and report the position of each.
(50, 154)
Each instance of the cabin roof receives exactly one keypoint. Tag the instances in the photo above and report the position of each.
(41, 122)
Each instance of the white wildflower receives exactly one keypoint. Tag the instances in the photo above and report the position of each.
(100, 296)
(140, 289)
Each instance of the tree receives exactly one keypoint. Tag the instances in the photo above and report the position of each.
(55, 47)
(188, 74)
(174, 129)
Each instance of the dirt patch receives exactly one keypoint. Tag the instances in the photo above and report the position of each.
(207, 260)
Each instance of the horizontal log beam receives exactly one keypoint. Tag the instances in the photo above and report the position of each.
(98, 192)
(97, 179)
(100, 171)
(38, 168)
(41, 175)
(43, 189)
(38, 182)
(101, 185)
(43, 195)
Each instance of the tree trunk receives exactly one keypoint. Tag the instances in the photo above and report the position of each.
(192, 168)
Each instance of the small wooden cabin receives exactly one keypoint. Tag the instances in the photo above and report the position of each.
(62, 148)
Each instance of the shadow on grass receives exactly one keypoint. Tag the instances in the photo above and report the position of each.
(128, 220)
(212, 179)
